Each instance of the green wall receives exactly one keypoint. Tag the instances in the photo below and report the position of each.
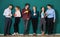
(39, 3)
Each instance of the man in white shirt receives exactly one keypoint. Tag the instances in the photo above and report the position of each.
(8, 15)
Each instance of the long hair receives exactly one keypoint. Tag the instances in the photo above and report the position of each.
(41, 9)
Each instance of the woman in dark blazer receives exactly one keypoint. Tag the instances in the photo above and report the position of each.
(34, 18)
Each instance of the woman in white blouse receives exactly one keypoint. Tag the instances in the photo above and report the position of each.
(17, 16)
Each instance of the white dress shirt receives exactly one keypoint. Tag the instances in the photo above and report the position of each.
(18, 13)
(34, 14)
(7, 13)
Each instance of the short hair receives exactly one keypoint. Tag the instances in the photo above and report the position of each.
(10, 5)
(27, 4)
(49, 5)
(18, 7)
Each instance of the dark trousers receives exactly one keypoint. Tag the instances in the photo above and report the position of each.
(34, 24)
(16, 24)
(50, 25)
(43, 24)
(7, 27)
(26, 26)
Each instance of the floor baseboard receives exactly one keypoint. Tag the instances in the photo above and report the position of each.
(32, 34)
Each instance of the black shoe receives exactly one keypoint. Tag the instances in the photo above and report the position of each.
(49, 34)
(5, 35)
(26, 34)
(10, 34)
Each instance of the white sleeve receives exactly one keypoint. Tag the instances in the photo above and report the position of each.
(5, 12)
(19, 13)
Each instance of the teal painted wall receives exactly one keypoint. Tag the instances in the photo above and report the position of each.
(39, 3)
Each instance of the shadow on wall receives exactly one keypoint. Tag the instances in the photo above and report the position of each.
(55, 26)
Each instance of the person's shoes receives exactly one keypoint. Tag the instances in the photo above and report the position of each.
(34, 34)
(14, 34)
(7, 35)
(43, 33)
(26, 34)
(10, 34)
(4, 34)
(49, 34)
(17, 33)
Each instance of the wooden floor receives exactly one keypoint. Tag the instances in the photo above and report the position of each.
(32, 36)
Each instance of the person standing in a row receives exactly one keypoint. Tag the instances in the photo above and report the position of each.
(50, 13)
(8, 15)
(17, 16)
(26, 18)
(42, 20)
(34, 19)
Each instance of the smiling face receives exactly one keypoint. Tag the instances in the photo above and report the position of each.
(10, 7)
(34, 8)
(17, 8)
(27, 6)
(49, 7)
(43, 9)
